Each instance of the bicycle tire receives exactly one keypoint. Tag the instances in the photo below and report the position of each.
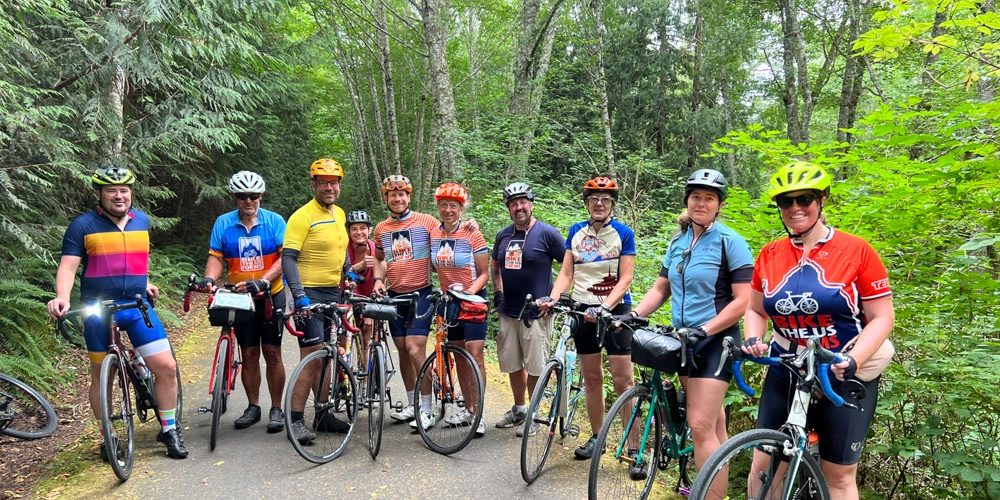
(543, 411)
(179, 412)
(609, 475)
(32, 417)
(333, 392)
(356, 359)
(576, 393)
(376, 399)
(441, 437)
(735, 456)
(116, 419)
(221, 372)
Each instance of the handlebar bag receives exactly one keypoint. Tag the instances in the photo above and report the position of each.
(228, 308)
(379, 312)
(653, 349)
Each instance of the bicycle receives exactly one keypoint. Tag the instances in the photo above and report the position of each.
(632, 435)
(439, 370)
(24, 412)
(226, 307)
(557, 393)
(379, 368)
(122, 374)
(788, 447)
(331, 397)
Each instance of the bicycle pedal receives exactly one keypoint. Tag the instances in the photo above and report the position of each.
(202, 409)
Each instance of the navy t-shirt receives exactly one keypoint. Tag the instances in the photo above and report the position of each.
(525, 259)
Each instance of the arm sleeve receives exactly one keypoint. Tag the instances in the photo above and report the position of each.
(290, 269)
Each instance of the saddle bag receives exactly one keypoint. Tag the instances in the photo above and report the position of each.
(653, 349)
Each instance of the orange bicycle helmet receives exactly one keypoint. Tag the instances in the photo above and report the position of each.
(396, 182)
(601, 184)
(451, 191)
(326, 166)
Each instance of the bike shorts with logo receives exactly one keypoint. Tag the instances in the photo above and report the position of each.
(146, 341)
(841, 430)
(317, 327)
(260, 330)
(419, 326)
(469, 332)
(615, 343)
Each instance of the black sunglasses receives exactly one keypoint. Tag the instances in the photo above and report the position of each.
(803, 200)
(682, 265)
(244, 196)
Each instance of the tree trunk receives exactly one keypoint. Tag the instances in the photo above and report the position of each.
(448, 142)
(602, 86)
(790, 44)
(932, 57)
(388, 91)
(850, 91)
(116, 100)
(695, 90)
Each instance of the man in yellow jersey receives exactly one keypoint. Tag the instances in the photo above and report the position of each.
(312, 260)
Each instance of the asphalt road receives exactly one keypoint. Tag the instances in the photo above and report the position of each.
(251, 463)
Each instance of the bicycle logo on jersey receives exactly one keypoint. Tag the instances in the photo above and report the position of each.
(805, 303)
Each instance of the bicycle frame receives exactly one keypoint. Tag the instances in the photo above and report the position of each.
(234, 367)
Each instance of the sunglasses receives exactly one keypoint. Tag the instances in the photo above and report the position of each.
(682, 265)
(245, 196)
(803, 200)
(602, 199)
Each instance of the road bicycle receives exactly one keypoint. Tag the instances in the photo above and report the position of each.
(123, 373)
(329, 388)
(805, 303)
(379, 368)
(792, 471)
(24, 412)
(226, 307)
(646, 428)
(440, 371)
(557, 394)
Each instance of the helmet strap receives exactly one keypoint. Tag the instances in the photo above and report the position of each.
(800, 236)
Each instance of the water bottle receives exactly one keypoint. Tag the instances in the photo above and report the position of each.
(139, 365)
(571, 358)
(812, 444)
(673, 406)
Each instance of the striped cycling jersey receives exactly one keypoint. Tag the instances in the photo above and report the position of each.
(820, 294)
(596, 258)
(115, 261)
(321, 240)
(454, 254)
(248, 253)
(408, 257)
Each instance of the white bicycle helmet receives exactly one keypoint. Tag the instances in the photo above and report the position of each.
(245, 181)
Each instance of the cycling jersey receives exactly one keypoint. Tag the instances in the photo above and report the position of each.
(321, 240)
(525, 259)
(115, 261)
(409, 243)
(454, 254)
(596, 259)
(820, 294)
(700, 287)
(248, 253)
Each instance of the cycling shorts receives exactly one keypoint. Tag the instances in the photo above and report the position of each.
(146, 341)
(615, 343)
(707, 354)
(419, 326)
(841, 430)
(260, 330)
(316, 328)
(469, 332)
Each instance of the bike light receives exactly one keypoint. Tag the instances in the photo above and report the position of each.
(92, 310)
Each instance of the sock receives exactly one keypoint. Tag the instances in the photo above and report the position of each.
(167, 419)
(409, 398)
(297, 416)
(425, 403)
(520, 409)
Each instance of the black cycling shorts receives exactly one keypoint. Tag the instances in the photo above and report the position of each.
(317, 327)
(261, 331)
(619, 343)
(706, 357)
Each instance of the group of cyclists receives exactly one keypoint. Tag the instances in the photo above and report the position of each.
(708, 274)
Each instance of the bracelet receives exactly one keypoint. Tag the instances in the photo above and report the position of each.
(378, 279)
(605, 307)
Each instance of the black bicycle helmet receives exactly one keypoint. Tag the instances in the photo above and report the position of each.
(517, 190)
(707, 178)
(358, 217)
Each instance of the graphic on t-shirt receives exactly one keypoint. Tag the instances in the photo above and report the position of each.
(590, 249)
(445, 256)
(800, 314)
(251, 255)
(402, 246)
(515, 252)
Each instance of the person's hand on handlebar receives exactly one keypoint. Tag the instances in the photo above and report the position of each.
(379, 287)
(206, 285)
(58, 307)
(755, 347)
(152, 291)
(544, 304)
(301, 302)
(845, 369)
(592, 313)
(253, 286)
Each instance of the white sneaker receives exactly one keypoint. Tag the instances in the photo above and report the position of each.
(481, 430)
(464, 417)
(427, 420)
(533, 429)
(404, 415)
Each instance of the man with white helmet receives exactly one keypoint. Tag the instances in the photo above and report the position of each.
(248, 242)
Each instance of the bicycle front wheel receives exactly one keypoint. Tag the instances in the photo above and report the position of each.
(450, 429)
(221, 372)
(733, 459)
(117, 420)
(31, 415)
(376, 398)
(623, 465)
(542, 418)
(327, 386)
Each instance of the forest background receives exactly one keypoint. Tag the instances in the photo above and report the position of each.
(897, 99)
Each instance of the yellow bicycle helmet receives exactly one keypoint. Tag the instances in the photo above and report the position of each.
(326, 166)
(797, 177)
(112, 176)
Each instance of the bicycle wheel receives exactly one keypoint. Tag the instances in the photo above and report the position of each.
(356, 358)
(543, 416)
(573, 402)
(31, 415)
(178, 414)
(117, 421)
(735, 456)
(376, 399)
(326, 384)
(442, 437)
(620, 466)
(220, 372)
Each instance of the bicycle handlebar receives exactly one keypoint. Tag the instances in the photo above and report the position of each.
(104, 307)
(333, 310)
(193, 288)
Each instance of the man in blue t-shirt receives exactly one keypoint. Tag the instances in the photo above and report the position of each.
(521, 263)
